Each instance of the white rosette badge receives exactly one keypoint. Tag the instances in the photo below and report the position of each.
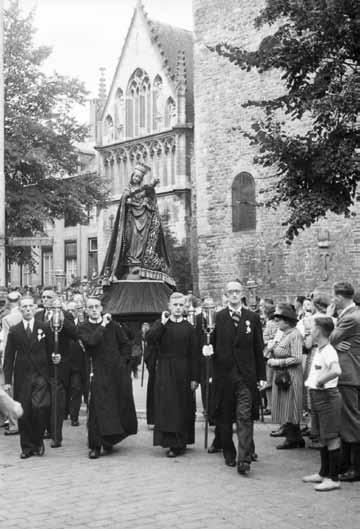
(248, 327)
(40, 335)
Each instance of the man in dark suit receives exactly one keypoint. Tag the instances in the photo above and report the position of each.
(346, 340)
(238, 364)
(66, 335)
(27, 361)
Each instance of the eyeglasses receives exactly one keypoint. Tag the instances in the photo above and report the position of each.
(47, 297)
(93, 307)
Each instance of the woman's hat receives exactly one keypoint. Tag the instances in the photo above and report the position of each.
(285, 311)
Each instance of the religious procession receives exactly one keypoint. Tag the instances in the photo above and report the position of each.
(297, 362)
(179, 264)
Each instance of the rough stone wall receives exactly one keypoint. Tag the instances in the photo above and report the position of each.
(327, 252)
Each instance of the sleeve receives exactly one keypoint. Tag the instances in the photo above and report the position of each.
(5, 330)
(122, 341)
(259, 350)
(9, 358)
(331, 356)
(195, 355)
(295, 351)
(155, 333)
(343, 331)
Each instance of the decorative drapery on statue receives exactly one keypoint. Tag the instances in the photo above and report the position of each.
(137, 247)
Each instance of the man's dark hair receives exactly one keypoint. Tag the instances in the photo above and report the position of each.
(269, 301)
(344, 289)
(326, 324)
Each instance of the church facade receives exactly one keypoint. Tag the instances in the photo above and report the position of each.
(237, 238)
(148, 117)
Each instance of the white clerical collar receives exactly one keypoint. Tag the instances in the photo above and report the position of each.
(99, 320)
(178, 320)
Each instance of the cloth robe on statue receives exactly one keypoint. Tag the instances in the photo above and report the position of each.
(112, 414)
(177, 364)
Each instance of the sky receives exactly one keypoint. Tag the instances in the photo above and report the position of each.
(88, 34)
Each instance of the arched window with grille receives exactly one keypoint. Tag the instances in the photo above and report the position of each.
(243, 203)
(138, 104)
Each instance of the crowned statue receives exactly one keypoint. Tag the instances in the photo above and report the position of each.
(137, 249)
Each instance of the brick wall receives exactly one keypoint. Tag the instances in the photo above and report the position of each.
(221, 153)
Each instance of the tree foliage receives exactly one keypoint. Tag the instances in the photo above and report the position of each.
(40, 137)
(315, 45)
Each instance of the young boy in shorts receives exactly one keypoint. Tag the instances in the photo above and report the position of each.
(325, 401)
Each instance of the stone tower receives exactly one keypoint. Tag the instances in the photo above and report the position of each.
(236, 237)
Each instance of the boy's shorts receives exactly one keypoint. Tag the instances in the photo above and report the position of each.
(325, 413)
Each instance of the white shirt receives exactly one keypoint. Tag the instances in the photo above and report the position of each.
(29, 322)
(323, 358)
(234, 311)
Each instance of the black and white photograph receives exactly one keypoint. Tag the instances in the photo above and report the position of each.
(179, 264)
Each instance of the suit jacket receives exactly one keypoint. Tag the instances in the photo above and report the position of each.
(66, 337)
(25, 356)
(348, 329)
(240, 346)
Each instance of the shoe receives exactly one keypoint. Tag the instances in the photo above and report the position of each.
(172, 452)
(75, 422)
(287, 445)
(266, 412)
(243, 467)
(40, 451)
(11, 432)
(55, 444)
(94, 454)
(350, 476)
(213, 450)
(327, 484)
(230, 461)
(47, 435)
(313, 478)
(278, 433)
(25, 455)
(254, 457)
(5, 425)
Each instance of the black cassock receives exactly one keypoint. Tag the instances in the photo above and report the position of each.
(177, 365)
(112, 414)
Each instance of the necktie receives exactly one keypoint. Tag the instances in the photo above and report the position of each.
(28, 330)
(236, 318)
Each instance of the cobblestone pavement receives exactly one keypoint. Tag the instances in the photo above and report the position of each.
(137, 487)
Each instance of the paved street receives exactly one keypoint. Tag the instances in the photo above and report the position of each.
(137, 487)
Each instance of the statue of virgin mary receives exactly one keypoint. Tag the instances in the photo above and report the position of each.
(137, 245)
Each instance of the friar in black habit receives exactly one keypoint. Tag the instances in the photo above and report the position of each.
(176, 378)
(112, 415)
(28, 357)
(238, 368)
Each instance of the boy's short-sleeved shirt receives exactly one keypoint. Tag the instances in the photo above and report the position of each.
(323, 358)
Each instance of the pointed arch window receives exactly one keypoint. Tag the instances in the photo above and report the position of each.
(157, 99)
(170, 113)
(119, 114)
(109, 129)
(138, 104)
(243, 203)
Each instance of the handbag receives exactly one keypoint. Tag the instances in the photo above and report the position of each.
(283, 379)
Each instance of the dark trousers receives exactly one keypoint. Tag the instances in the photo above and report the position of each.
(95, 439)
(75, 395)
(35, 401)
(57, 416)
(244, 426)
